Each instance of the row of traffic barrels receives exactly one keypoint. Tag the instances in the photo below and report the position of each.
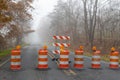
(64, 59)
(95, 60)
(79, 59)
(15, 61)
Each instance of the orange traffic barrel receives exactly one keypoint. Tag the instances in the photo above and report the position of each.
(15, 60)
(78, 60)
(96, 58)
(43, 59)
(64, 59)
(114, 60)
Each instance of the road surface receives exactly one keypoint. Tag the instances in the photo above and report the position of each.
(30, 72)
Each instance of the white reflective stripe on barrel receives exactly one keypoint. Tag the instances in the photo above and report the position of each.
(95, 56)
(43, 56)
(63, 56)
(95, 62)
(14, 57)
(15, 63)
(79, 62)
(79, 56)
(114, 63)
(65, 62)
(42, 62)
(114, 57)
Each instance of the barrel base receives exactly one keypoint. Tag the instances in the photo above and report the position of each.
(16, 67)
(96, 66)
(42, 67)
(78, 66)
(63, 66)
(113, 66)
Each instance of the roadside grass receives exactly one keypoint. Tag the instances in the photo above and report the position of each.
(8, 51)
(104, 57)
(5, 52)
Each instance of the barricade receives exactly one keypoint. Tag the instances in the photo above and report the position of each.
(64, 59)
(15, 59)
(79, 59)
(57, 44)
(43, 58)
(96, 58)
(114, 60)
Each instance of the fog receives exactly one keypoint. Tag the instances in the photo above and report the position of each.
(41, 34)
(40, 22)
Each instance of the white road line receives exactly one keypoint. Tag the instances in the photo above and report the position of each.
(72, 72)
(4, 62)
(66, 72)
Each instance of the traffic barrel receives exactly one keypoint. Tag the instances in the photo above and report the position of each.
(15, 60)
(96, 58)
(64, 59)
(43, 58)
(114, 60)
(78, 60)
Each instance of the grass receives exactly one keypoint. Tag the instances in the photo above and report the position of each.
(88, 54)
(104, 57)
(5, 53)
(8, 51)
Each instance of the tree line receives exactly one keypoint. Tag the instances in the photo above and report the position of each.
(15, 19)
(88, 22)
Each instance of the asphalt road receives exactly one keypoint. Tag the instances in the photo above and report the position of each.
(30, 72)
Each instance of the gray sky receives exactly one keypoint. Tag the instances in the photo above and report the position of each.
(42, 9)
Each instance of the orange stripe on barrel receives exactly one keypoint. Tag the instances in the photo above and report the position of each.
(64, 59)
(42, 59)
(15, 60)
